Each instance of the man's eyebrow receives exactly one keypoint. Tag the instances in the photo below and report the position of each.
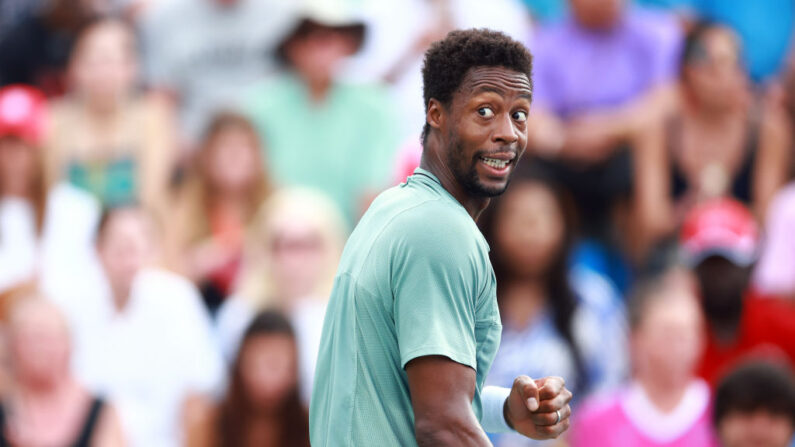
(491, 89)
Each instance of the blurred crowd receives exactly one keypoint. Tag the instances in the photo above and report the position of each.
(178, 179)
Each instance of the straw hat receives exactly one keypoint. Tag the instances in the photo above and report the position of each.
(341, 15)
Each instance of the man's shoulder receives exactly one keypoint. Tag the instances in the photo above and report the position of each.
(420, 216)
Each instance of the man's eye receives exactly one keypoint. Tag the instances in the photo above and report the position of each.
(485, 112)
(520, 116)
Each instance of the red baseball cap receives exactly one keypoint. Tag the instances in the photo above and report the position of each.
(722, 227)
(22, 113)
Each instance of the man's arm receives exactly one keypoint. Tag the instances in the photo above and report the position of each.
(441, 395)
(442, 392)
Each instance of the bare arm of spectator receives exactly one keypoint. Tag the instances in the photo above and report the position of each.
(591, 137)
(109, 432)
(159, 155)
(773, 162)
(199, 422)
(652, 208)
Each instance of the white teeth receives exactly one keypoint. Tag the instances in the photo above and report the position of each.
(495, 163)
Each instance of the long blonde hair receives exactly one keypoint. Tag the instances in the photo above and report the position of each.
(310, 207)
(196, 193)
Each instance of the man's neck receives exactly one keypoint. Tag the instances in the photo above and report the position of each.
(435, 165)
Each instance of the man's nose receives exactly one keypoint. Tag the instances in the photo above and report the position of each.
(505, 131)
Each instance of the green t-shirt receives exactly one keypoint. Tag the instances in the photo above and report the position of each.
(414, 280)
(344, 146)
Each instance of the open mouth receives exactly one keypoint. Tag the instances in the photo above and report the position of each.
(495, 163)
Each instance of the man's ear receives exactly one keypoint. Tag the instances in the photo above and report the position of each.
(436, 114)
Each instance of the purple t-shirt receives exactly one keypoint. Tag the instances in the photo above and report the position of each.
(577, 70)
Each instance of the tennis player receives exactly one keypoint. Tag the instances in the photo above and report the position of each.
(413, 325)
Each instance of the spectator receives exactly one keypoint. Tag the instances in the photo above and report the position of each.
(203, 52)
(45, 405)
(715, 141)
(105, 137)
(548, 311)
(400, 31)
(755, 406)
(35, 50)
(142, 337)
(584, 130)
(664, 404)
(719, 241)
(765, 28)
(774, 271)
(262, 406)
(349, 148)
(225, 186)
(43, 234)
(292, 255)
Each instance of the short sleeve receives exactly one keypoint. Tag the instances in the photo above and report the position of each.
(434, 285)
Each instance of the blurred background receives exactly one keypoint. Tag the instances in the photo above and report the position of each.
(178, 179)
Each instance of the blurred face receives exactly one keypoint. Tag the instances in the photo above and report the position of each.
(529, 229)
(723, 286)
(668, 342)
(268, 367)
(17, 167)
(232, 161)
(597, 14)
(759, 428)
(317, 54)
(300, 257)
(715, 76)
(39, 345)
(104, 64)
(126, 246)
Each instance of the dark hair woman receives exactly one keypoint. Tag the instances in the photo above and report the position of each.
(262, 405)
(553, 316)
(715, 138)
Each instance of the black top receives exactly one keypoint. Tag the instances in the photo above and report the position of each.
(742, 178)
(84, 437)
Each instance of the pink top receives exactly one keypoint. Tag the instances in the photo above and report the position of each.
(628, 418)
(774, 271)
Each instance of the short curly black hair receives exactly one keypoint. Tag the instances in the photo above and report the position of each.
(447, 62)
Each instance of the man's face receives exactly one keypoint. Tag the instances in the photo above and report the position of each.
(487, 130)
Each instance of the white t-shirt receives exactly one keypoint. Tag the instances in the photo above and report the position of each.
(208, 52)
(63, 251)
(148, 358)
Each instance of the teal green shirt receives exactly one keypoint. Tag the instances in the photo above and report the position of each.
(344, 146)
(414, 280)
